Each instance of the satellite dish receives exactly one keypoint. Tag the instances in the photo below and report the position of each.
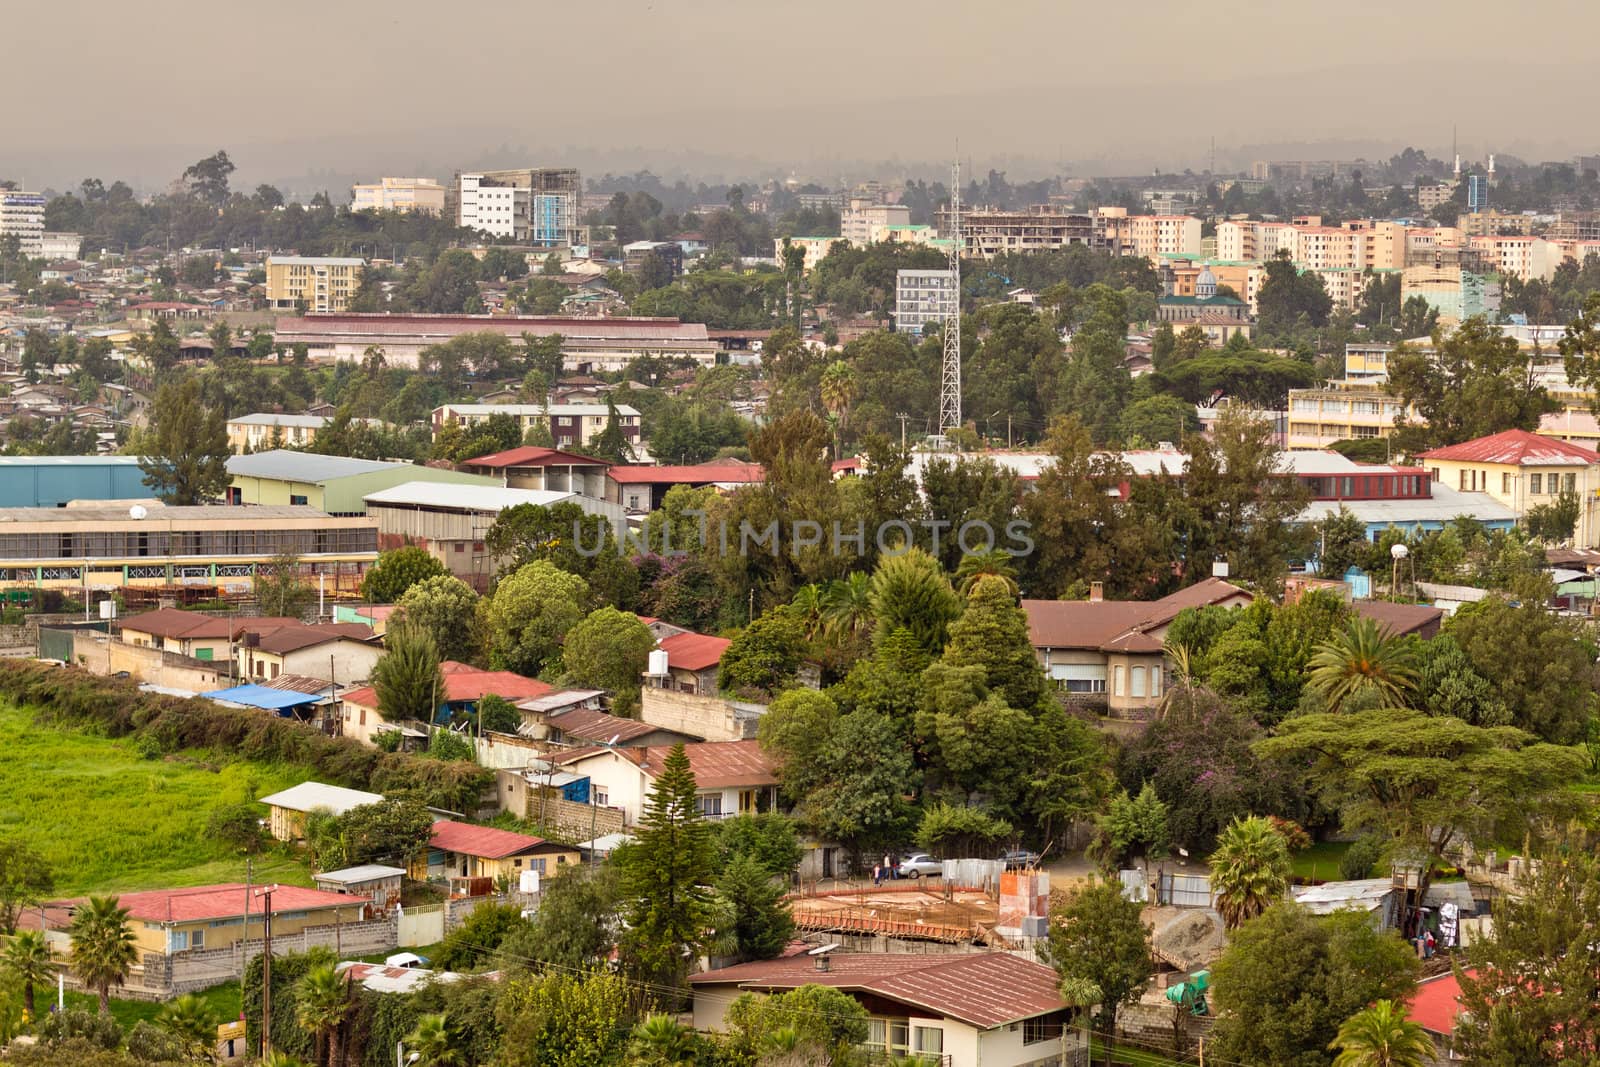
(138, 511)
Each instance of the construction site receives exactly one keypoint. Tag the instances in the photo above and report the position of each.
(987, 908)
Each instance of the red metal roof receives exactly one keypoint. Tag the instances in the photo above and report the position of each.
(531, 456)
(1517, 448)
(694, 652)
(463, 682)
(485, 841)
(226, 901)
(591, 724)
(688, 474)
(985, 990)
(1437, 1002)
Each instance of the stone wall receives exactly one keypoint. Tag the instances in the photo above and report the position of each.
(708, 718)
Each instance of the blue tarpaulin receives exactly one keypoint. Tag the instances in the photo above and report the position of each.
(259, 696)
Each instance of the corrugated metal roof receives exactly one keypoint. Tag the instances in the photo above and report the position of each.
(259, 696)
(1517, 448)
(1444, 505)
(309, 796)
(366, 872)
(694, 652)
(486, 841)
(227, 901)
(283, 464)
(481, 498)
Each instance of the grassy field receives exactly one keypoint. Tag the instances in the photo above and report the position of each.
(1320, 862)
(107, 819)
(1128, 1054)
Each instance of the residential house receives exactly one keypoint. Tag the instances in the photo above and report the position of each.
(1524, 470)
(567, 424)
(373, 881)
(731, 777)
(287, 810)
(263, 430)
(988, 1008)
(464, 850)
(189, 633)
(342, 652)
(692, 659)
(591, 726)
(337, 485)
(1113, 649)
(168, 921)
(548, 469)
(642, 489)
(1436, 1007)
(1402, 620)
(464, 686)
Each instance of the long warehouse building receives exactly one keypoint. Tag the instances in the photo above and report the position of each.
(587, 345)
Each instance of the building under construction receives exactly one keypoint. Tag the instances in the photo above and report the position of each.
(535, 206)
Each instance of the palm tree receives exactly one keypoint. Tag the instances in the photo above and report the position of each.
(1081, 994)
(975, 565)
(847, 605)
(838, 388)
(28, 960)
(324, 1002)
(1364, 659)
(191, 1020)
(103, 949)
(661, 1041)
(808, 603)
(1249, 869)
(434, 1042)
(1382, 1036)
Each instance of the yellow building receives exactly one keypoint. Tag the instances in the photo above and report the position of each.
(813, 249)
(1524, 470)
(312, 283)
(209, 917)
(464, 850)
(423, 195)
(287, 810)
(269, 429)
(1340, 411)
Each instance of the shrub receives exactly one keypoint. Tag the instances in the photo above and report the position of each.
(1363, 855)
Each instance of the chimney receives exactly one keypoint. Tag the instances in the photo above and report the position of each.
(823, 966)
(1097, 592)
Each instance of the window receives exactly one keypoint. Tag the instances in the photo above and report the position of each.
(709, 803)
(928, 1040)
(1569, 483)
(1155, 681)
(1041, 1028)
(1116, 681)
(1463, 477)
(295, 499)
(1505, 484)
(1535, 484)
(1138, 682)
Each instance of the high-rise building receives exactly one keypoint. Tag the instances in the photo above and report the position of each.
(1477, 192)
(857, 221)
(312, 283)
(923, 298)
(422, 195)
(22, 216)
(533, 206)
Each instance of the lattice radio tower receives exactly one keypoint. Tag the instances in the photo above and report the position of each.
(950, 378)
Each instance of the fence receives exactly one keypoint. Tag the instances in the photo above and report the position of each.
(1183, 890)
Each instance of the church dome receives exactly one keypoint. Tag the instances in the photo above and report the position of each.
(1205, 285)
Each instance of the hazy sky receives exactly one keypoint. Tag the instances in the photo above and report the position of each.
(322, 90)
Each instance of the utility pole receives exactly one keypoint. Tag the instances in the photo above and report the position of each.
(902, 416)
(1008, 430)
(266, 970)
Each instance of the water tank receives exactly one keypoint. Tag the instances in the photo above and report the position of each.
(108, 609)
(658, 663)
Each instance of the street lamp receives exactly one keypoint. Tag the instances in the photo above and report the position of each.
(401, 1058)
(1397, 552)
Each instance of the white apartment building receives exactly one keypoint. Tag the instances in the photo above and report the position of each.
(22, 216)
(538, 206)
(54, 246)
(423, 195)
(1153, 236)
(493, 209)
(1320, 248)
(857, 221)
(923, 298)
(1521, 257)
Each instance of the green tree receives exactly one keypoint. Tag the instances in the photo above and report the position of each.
(397, 570)
(1426, 783)
(665, 870)
(322, 1004)
(1286, 294)
(976, 747)
(662, 1041)
(1382, 1036)
(184, 453)
(948, 830)
(447, 608)
(1146, 423)
(434, 1041)
(611, 444)
(529, 615)
(1554, 523)
(765, 655)
(28, 961)
(25, 878)
(760, 923)
(1541, 667)
(610, 650)
(278, 588)
(1529, 990)
(387, 830)
(1364, 664)
(911, 592)
(1249, 870)
(238, 826)
(1288, 980)
(407, 678)
(193, 1022)
(1132, 826)
(817, 1021)
(472, 945)
(103, 947)
(207, 179)
(1476, 381)
(573, 929)
(992, 634)
(1098, 937)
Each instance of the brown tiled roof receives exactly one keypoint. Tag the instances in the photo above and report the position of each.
(1400, 619)
(591, 724)
(985, 990)
(715, 764)
(285, 639)
(1117, 625)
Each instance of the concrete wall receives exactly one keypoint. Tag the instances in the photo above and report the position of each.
(99, 654)
(708, 718)
(568, 819)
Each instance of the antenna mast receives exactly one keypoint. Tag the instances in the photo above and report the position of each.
(950, 379)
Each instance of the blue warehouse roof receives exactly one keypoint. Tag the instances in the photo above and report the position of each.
(259, 696)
